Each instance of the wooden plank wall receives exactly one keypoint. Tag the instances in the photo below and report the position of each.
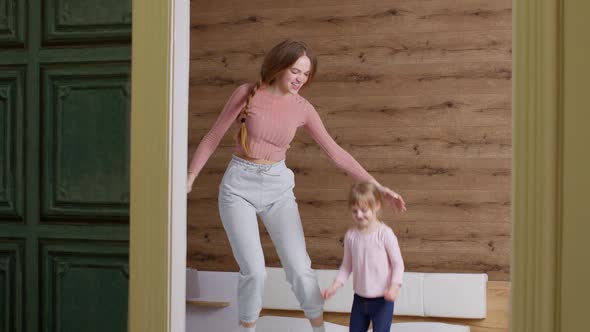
(419, 91)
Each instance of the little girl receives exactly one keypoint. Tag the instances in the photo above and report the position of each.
(372, 254)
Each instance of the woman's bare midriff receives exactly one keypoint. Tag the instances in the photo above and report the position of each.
(257, 161)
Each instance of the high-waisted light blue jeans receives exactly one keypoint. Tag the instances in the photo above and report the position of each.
(248, 189)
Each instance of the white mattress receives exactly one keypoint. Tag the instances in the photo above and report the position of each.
(422, 294)
(289, 324)
(428, 327)
(455, 295)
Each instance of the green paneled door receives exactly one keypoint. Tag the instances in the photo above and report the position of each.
(64, 165)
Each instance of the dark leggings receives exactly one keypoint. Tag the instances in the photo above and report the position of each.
(366, 310)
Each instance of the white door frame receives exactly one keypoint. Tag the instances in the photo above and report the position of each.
(159, 114)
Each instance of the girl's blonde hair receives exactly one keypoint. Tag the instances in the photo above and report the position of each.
(279, 58)
(365, 194)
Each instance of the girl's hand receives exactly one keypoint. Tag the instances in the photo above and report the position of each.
(392, 198)
(392, 293)
(328, 293)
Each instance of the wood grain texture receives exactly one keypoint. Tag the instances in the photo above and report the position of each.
(424, 110)
(419, 92)
(352, 19)
(395, 80)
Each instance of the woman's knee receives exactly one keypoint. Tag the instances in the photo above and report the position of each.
(257, 275)
(301, 275)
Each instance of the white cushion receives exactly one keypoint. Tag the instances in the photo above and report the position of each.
(342, 300)
(277, 291)
(410, 301)
(192, 283)
(422, 294)
(458, 295)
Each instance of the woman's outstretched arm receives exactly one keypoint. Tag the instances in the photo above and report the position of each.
(343, 160)
(211, 140)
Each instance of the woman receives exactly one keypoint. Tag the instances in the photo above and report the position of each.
(257, 181)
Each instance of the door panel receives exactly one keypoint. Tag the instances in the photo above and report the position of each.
(80, 281)
(12, 22)
(86, 142)
(75, 21)
(11, 285)
(11, 149)
(64, 164)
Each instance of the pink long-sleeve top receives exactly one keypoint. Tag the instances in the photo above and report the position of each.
(374, 259)
(272, 122)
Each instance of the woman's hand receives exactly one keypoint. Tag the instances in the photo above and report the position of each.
(189, 182)
(392, 198)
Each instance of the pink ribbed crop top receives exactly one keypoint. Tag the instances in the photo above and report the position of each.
(272, 122)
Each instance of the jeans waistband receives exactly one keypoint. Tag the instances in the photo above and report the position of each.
(368, 298)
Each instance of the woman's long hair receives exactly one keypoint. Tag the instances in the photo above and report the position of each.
(279, 58)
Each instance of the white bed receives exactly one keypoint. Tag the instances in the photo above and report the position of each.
(453, 295)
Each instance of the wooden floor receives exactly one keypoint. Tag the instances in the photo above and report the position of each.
(496, 321)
